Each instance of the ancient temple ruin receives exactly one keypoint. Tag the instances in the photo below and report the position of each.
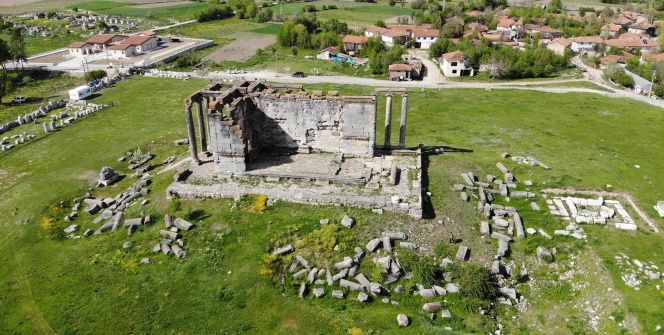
(304, 146)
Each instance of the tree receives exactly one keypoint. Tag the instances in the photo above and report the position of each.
(453, 28)
(392, 3)
(102, 25)
(5, 56)
(380, 23)
(264, 15)
(17, 46)
(95, 75)
(497, 67)
(215, 13)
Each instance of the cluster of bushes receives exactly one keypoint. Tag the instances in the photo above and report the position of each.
(215, 13)
(618, 75)
(309, 33)
(242, 9)
(380, 57)
(309, 8)
(95, 75)
(505, 63)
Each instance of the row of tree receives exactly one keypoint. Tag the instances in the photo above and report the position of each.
(535, 61)
(242, 9)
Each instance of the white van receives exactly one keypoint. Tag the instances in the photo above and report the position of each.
(80, 92)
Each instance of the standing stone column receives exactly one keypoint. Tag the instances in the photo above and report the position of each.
(404, 115)
(201, 125)
(192, 136)
(388, 120)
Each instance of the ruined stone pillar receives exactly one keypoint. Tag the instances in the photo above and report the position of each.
(388, 120)
(192, 136)
(201, 124)
(404, 115)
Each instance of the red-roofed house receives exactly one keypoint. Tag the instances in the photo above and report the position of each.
(400, 71)
(610, 30)
(509, 26)
(643, 28)
(631, 44)
(559, 45)
(102, 41)
(121, 50)
(80, 49)
(585, 44)
(455, 64)
(354, 42)
(425, 37)
(652, 57)
(142, 43)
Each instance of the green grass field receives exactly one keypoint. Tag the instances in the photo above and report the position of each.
(165, 13)
(92, 285)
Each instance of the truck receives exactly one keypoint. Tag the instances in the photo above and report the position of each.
(80, 93)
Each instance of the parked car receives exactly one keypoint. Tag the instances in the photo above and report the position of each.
(19, 99)
(298, 74)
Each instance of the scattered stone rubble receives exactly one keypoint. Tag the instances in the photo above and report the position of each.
(172, 242)
(344, 274)
(635, 272)
(107, 176)
(32, 117)
(591, 211)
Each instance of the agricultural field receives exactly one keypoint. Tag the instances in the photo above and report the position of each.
(67, 286)
(156, 12)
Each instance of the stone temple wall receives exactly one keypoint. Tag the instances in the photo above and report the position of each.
(330, 124)
(265, 119)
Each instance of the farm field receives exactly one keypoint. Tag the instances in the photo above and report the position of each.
(588, 141)
(165, 12)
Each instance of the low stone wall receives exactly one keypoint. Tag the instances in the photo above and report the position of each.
(299, 193)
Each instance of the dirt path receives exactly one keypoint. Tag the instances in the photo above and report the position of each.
(622, 195)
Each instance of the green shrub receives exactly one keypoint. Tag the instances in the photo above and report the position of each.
(424, 269)
(476, 281)
(215, 13)
(95, 75)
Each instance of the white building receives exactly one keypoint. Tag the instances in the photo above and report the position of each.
(585, 44)
(455, 64)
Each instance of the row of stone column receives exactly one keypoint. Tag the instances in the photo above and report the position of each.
(388, 120)
(202, 105)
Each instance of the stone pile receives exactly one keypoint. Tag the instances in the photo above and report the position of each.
(172, 242)
(635, 272)
(107, 176)
(31, 117)
(528, 160)
(111, 210)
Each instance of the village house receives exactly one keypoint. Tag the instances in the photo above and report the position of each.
(80, 49)
(475, 28)
(101, 41)
(422, 36)
(585, 44)
(425, 37)
(623, 22)
(354, 43)
(327, 53)
(613, 59)
(545, 32)
(559, 45)
(400, 71)
(141, 43)
(122, 50)
(610, 30)
(643, 28)
(510, 27)
(455, 64)
(631, 45)
(652, 57)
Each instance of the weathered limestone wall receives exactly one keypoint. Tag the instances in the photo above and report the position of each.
(331, 124)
